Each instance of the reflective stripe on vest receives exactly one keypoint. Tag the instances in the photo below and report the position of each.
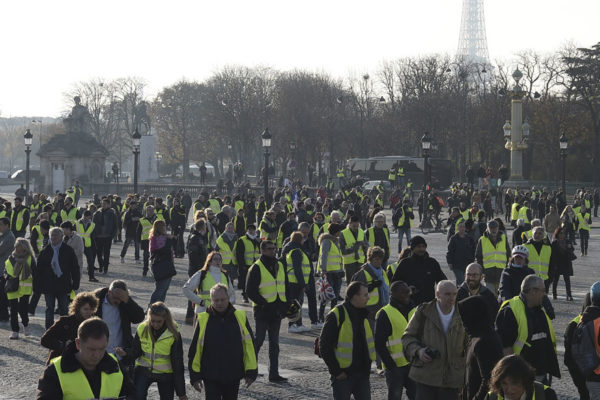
(69, 216)
(155, 355)
(207, 283)
(19, 224)
(583, 221)
(25, 285)
(523, 214)
(349, 239)
(226, 251)
(75, 385)
(86, 235)
(374, 294)
(251, 252)
(334, 257)
(371, 236)
(402, 219)
(539, 262)
(518, 309)
(394, 342)
(305, 267)
(270, 288)
(344, 346)
(263, 233)
(146, 228)
(247, 344)
(494, 256)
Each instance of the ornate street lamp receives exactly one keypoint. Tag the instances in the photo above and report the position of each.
(563, 145)
(158, 158)
(137, 138)
(28, 142)
(266, 144)
(426, 146)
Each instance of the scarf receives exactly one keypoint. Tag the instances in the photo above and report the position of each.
(22, 266)
(54, 263)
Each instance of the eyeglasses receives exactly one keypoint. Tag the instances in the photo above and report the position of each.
(270, 248)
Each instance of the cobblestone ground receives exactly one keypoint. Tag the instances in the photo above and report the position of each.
(22, 361)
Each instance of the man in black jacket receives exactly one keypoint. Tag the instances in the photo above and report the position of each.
(131, 222)
(178, 219)
(420, 272)
(106, 221)
(472, 287)
(58, 272)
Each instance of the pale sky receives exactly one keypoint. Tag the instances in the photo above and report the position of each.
(50, 45)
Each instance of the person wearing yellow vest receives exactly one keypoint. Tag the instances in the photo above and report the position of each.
(402, 220)
(526, 330)
(85, 370)
(317, 225)
(526, 214)
(298, 275)
(239, 222)
(85, 229)
(226, 246)
(20, 267)
(379, 235)
(76, 243)
(492, 252)
(222, 351)
(353, 246)
(347, 346)
(330, 263)
(513, 378)
(143, 235)
(266, 286)
(246, 253)
(19, 218)
(39, 236)
(158, 353)
(540, 252)
(392, 176)
(584, 220)
(435, 340)
(70, 212)
(390, 324)
(267, 227)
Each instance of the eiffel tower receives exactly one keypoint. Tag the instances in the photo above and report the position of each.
(472, 42)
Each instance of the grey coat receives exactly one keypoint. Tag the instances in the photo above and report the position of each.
(7, 245)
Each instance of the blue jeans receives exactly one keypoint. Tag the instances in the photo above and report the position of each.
(143, 380)
(51, 299)
(160, 290)
(136, 244)
(402, 232)
(460, 275)
(357, 385)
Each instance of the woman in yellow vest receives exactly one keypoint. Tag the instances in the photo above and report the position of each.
(20, 269)
(158, 353)
(513, 378)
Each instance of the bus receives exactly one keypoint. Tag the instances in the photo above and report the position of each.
(375, 168)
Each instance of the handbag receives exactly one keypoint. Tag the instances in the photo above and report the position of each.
(163, 269)
(12, 284)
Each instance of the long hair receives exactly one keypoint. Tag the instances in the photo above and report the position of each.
(159, 223)
(209, 258)
(159, 309)
(24, 243)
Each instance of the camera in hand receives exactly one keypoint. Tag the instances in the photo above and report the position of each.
(432, 353)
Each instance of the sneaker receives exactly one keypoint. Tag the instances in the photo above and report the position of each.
(294, 329)
(93, 280)
(278, 379)
(305, 328)
(122, 260)
(26, 331)
(316, 325)
(14, 336)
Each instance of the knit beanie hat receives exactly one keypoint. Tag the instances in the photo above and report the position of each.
(595, 293)
(335, 228)
(417, 240)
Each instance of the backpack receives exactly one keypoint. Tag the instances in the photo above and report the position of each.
(583, 348)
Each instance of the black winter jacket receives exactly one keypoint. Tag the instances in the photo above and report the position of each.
(46, 280)
(421, 272)
(131, 313)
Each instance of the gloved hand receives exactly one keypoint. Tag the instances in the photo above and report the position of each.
(375, 284)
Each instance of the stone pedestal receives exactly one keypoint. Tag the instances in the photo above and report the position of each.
(147, 170)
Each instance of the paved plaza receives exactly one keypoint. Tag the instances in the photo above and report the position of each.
(22, 361)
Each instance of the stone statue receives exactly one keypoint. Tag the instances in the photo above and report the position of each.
(142, 119)
(78, 121)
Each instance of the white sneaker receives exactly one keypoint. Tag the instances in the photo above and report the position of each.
(305, 328)
(26, 331)
(295, 329)
(14, 336)
(122, 260)
(316, 325)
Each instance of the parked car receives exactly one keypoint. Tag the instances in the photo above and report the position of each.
(370, 185)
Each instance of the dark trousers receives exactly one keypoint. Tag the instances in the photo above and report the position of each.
(311, 296)
(214, 390)
(136, 245)
(596, 209)
(272, 326)
(143, 380)
(90, 255)
(19, 307)
(33, 302)
(51, 299)
(160, 290)
(584, 236)
(335, 279)
(350, 270)
(145, 245)
(426, 392)
(397, 379)
(567, 283)
(179, 247)
(296, 292)
(3, 300)
(243, 272)
(103, 252)
(356, 385)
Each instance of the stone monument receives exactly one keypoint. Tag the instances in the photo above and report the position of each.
(74, 155)
(147, 162)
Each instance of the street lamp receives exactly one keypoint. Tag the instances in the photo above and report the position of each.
(136, 154)
(40, 123)
(266, 144)
(28, 141)
(516, 132)
(158, 158)
(426, 146)
(292, 156)
(563, 144)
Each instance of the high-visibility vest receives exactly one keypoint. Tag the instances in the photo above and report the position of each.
(494, 256)
(40, 239)
(344, 346)
(400, 172)
(71, 215)
(53, 218)
(263, 233)
(523, 214)
(539, 393)
(409, 185)
(518, 308)
(249, 356)
(514, 213)
(238, 205)
(391, 268)
(25, 285)
(596, 333)
(340, 173)
(576, 209)
(334, 257)
(251, 252)
(75, 385)
(226, 251)
(583, 221)
(156, 356)
(146, 228)
(394, 342)
(214, 205)
(270, 288)
(86, 234)
(19, 219)
(374, 294)
(587, 204)
(402, 219)
(392, 175)
(290, 267)
(207, 283)
(315, 228)
(71, 194)
(371, 236)
(159, 212)
(465, 214)
(197, 206)
(349, 239)
(539, 262)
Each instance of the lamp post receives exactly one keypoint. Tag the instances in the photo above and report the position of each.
(28, 141)
(425, 146)
(293, 156)
(136, 154)
(266, 143)
(563, 144)
(158, 158)
(516, 132)
(230, 149)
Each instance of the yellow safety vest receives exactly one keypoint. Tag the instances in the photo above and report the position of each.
(239, 205)
(247, 344)
(392, 175)
(394, 342)
(236, 220)
(349, 239)
(69, 216)
(227, 252)
(40, 239)
(523, 214)
(146, 228)
(539, 393)
(25, 285)
(374, 294)
(86, 235)
(207, 283)
(251, 252)
(159, 212)
(290, 267)
(514, 213)
(402, 219)
(75, 386)
(539, 262)
(155, 355)
(371, 236)
(334, 258)
(391, 268)
(401, 172)
(214, 205)
(270, 288)
(518, 308)
(344, 346)
(465, 214)
(494, 256)
(263, 234)
(315, 228)
(583, 221)
(19, 216)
